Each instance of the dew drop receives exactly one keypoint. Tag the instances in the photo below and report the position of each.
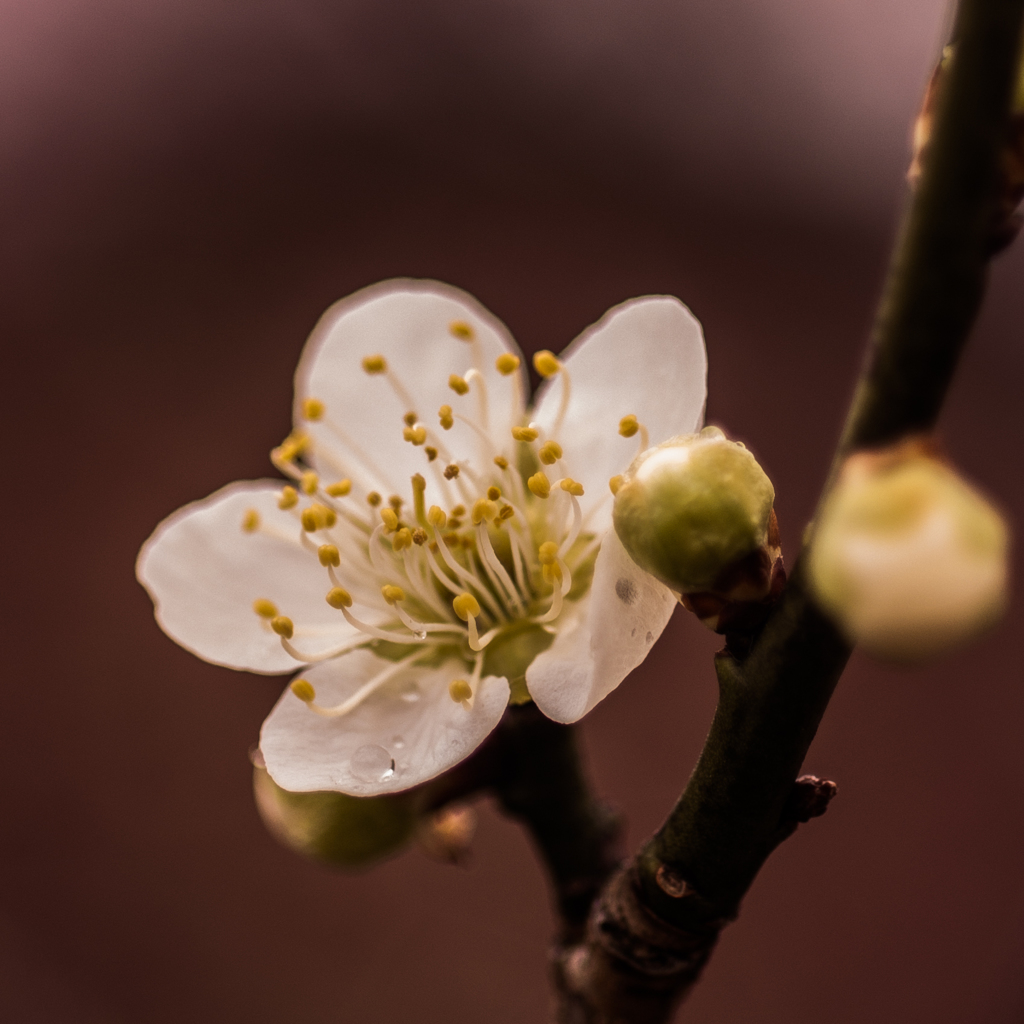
(371, 763)
(410, 693)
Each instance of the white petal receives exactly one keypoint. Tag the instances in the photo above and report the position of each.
(644, 357)
(407, 322)
(203, 572)
(423, 736)
(614, 629)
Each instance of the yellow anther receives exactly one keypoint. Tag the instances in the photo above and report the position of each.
(375, 364)
(545, 363)
(551, 573)
(458, 384)
(616, 482)
(436, 517)
(251, 520)
(317, 517)
(461, 330)
(454, 524)
(572, 486)
(373, 499)
(340, 489)
(303, 689)
(547, 552)
(289, 498)
(501, 462)
(507, 512)
(415, 435)
(628, 425)
(310, 523)
(550, 452)
(506, 363)
(445, 415)
(524, 433)
(451, 471)
(339, 597)
(309, 482)
(459, 690)
(292, 446)
(419, 536)
(494, 493)
(264, 609)
(484, 510)
(539, 484)
(402, 539)
(392, 594)
(466, 607)
(395, 501)
(283, 626)
(410, 419)
(459, 510)
(328, 555)
(389, 518)
(312, 408)
(431, 453)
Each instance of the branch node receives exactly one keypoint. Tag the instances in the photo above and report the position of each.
(672, 883)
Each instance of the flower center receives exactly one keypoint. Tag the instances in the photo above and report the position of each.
(503, 551)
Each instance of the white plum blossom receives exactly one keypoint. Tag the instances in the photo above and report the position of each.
(441, 547)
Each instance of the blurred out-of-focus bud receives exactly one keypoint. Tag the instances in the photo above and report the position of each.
(908, 558)
(696, 513)
(334, 828)
(447, 834)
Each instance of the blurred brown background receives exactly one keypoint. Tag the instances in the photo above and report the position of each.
(185, 187)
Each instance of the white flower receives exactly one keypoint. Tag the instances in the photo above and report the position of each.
(441, 546)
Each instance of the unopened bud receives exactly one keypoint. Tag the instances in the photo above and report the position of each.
(688, 510)
(338, 829)
(908, 558)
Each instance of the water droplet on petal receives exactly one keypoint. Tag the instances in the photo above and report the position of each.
(371, 763)
(410, 693)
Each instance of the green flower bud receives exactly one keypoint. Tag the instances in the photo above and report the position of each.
(335, 828)
(690, 509)
(908, 559)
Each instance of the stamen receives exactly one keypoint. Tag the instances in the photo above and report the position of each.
(313, 409)
(402, 539)
(501, 462)
(390, 519)
(464, 574)
(251, 521)
(616, 482)
(328, 555)
(446, 418)
(506, 363)
(303, 689)
(539, 484)
(492, 560)
(373, 499)
(458, 384)
(570, 485)
(340, 489)
(481, 391)
(410, 419)
(289, 498)
(264, 609)
(431, 453)
(396, 502)
(380, 634)
(451, 471)
(550, 452)
(311, 659)
(461, 330)
(361, 694)
(415, 435)
(436, 517)
(460, 691)
(318, 517)
(630, 425)
(494, 493)
(309, 482)
(525, 434)
(283, 626)
(484, 510)
(556, 596)
(546, 363)
(375, 364)
(392, 594)
(339, 597)
(574, 530)
(419, 537)
(466, 606)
